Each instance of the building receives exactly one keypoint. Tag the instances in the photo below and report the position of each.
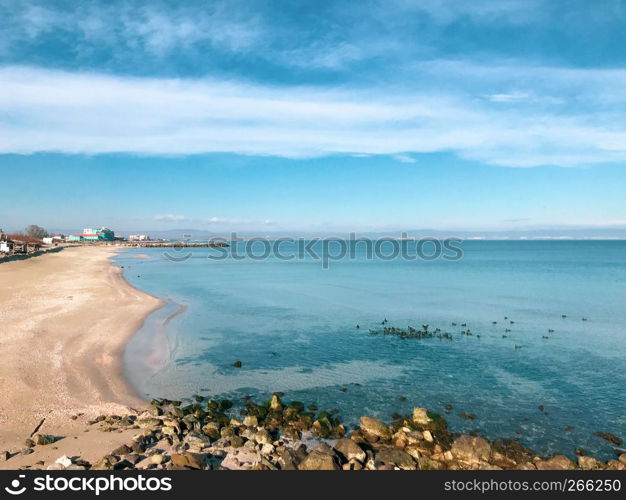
(93, 234)
(5, 246)
(48, 240)
(138, 237)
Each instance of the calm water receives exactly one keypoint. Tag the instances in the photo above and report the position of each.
(292, 324)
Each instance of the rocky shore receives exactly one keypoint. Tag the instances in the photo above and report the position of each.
(289, 436)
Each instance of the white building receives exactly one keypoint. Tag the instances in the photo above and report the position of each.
(4, 247)
(138, 237)
(48, 241)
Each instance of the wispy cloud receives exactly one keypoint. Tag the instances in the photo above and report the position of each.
(170, 217)
(45, 110)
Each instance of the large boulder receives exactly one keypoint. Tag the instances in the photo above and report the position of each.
(374, 427)
(321, 458)
(397, 458)
(350, 450)
(471, 449)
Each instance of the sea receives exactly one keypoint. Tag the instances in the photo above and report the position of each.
(545, 362)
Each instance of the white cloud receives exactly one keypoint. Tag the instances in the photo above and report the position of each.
(169, 217)
(45, 110)
(404, 158)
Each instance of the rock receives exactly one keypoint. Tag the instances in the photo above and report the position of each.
(4, 456)
(427, 435)
(27, 451)
(622, 458)
(288, 459)
(105, 463)
(426, 463)
(394, 456)
(44, 439)
(263, 437)
(615, 465)
(65, 461)
(191, 460)
(611, 438)
(321, 458)
(471, 449)
(375, 427)
(350, 450)
(197, 439)
(467, 416)
(525, 466)
(250, 421)
(558, 462)
(275, 403)
(267, 449)
(237, 364)
(420, 416)
(588, 463)
(29, 443)
(502, 461)
(122, 450)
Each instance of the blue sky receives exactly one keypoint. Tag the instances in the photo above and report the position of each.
(316, 116)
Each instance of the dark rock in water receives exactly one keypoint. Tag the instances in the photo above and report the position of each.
(580, 452)
(611, 438)
(190, 460)
(396, 457)
(237, 364)
(568, 428)
(401, 398)
(448, 408)
(541, 407)
(467, 416)
(312, 407)
(343, 389)
(321, 458)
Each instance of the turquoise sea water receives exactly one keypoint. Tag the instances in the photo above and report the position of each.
(292, 324)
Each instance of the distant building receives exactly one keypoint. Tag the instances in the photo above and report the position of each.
(48, 241)
(93, 234)
(4, 246)
(58, 237)
(138, 237)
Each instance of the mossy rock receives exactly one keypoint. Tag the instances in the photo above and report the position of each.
(225, 404)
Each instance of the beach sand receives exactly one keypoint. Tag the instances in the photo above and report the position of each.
(64, 321)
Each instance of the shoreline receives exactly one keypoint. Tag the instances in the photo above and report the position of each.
(63, 384)
(70, 315)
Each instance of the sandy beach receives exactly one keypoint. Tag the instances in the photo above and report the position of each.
(65, 319)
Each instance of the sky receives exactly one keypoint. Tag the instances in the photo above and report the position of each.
(483, 115)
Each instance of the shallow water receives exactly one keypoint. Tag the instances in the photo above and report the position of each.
(292, 324)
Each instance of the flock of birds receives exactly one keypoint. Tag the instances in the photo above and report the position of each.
(426, 332)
